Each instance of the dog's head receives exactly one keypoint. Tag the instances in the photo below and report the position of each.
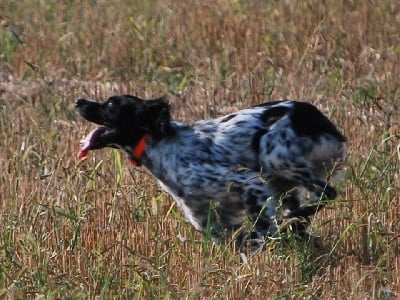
(124, 121)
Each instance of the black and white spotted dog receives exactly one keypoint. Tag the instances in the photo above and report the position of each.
(223, 171)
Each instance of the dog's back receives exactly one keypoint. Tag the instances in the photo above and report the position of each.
(289, 140)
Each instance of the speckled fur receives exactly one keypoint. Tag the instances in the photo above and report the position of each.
(221, 171)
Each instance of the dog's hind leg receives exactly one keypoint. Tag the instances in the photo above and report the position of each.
(303, 174)
(302, 160)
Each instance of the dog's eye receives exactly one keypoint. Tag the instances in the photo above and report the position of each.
(113, 102)
(111, 106)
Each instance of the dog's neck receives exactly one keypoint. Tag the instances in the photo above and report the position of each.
(138, 151)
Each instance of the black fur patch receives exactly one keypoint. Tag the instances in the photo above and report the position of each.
(273, 114)
(255, 144)
(307, 120)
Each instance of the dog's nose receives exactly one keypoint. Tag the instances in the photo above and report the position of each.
(80, 102)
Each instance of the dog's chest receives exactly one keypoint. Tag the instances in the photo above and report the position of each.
(187, 210)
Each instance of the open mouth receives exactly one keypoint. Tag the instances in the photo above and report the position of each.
(98, 138)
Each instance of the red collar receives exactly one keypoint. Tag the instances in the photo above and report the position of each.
(139, 150)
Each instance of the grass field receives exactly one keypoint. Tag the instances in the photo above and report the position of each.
(102, 229)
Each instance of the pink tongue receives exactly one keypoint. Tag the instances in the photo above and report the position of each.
(85, 145)
(82, 153)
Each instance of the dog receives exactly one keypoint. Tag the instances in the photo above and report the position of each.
(222, 172)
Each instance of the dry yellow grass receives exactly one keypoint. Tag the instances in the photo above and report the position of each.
(100, 228)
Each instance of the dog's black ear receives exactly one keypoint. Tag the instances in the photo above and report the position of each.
(161, 117)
